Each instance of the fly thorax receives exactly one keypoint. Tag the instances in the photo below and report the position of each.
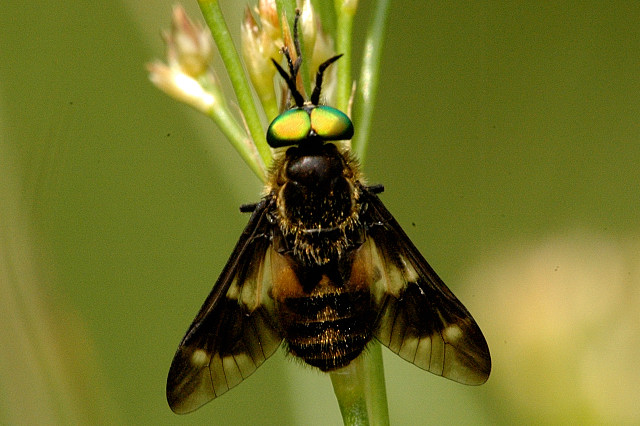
(317, 203)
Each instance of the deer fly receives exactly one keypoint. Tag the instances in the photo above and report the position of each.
(324, 266)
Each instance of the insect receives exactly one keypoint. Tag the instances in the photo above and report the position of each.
(324, 266)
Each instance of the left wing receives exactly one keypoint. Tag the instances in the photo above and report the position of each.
(419, 317)
(235, 330)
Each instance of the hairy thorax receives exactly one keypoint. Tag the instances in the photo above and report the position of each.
(317, 202)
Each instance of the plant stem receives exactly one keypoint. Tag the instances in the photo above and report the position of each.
(327, 13)
(213, 16)
(360, 386)
(360, 389)
(376, 390)
(369, 78)
(344, 13)
(229, 126)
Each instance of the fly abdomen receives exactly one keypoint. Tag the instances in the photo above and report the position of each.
(327, 330)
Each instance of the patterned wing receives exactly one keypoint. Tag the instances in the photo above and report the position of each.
(235, 330)
(419, 317)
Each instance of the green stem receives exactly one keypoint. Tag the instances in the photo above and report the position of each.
(369, 78)
(360, 389)
(213, 16)
(229, 126)
(376, 390)
(345, 11)
(349, 387)
(327, 13)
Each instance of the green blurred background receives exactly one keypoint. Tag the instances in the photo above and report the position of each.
(506, 135)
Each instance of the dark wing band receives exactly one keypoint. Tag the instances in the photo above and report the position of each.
(420, 319)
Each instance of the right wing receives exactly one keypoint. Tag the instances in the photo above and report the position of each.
(420, 319)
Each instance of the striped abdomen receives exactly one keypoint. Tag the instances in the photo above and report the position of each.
(327, 329)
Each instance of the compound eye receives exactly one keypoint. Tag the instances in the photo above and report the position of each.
(289, 128)
(331, 124)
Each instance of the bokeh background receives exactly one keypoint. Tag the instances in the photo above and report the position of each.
(506, 135)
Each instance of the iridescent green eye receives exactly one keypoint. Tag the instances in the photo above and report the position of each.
(294, 126)
(289, 128)
(331, 124)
